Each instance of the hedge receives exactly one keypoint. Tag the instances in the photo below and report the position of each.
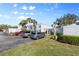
(74, 40)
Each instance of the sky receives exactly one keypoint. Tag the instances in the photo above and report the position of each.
(45, 13)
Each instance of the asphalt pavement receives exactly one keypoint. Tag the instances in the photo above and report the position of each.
(8, 42)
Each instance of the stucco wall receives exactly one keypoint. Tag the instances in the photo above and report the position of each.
(71, 30)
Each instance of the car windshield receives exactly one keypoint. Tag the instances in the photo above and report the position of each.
(35, 32)
(28, 32)
(25, 31)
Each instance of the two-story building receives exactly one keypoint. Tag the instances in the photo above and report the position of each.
(39, 27)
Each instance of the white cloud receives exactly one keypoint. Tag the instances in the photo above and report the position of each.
(28, 8)
(31, 13)
(15, 5)
(22, 17)
(32, 7)
(15, 12)
(24, 8)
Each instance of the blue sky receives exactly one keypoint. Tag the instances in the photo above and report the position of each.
(46, 13)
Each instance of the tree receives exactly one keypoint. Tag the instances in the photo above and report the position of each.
(28, 20)
(5, 26)
(67, 19)
(23, 22)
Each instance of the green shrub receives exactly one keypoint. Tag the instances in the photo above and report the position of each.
(74, 40)
(58, 34)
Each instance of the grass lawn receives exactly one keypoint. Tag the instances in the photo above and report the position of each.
(43, 47)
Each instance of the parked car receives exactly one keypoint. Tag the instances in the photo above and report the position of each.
(37, 35)
(26, 34)
(18, 33)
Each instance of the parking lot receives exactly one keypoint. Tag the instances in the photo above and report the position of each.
(7, 42)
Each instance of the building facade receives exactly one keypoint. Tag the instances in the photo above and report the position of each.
(72, 30)
(39, 27)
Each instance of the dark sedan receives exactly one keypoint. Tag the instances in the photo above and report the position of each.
(37, 35)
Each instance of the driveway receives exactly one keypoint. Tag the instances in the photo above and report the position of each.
(7, 42)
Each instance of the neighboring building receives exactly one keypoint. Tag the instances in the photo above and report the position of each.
(44, 28)
(30, 26)
(11, 30)
(72, 29)
(39, 27)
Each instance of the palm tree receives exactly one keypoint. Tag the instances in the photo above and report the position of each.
(23, 22)
(28, 20)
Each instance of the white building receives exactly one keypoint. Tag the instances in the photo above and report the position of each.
(12, 30)
(72, 29)
(39, 27)
(30, 26)
(45, 28)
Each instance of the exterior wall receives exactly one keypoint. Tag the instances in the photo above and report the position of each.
(13, 30)
(59, 30)
(30, 26)
(43, 28)
(46, 28)
(39, 27)
(71, 30)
